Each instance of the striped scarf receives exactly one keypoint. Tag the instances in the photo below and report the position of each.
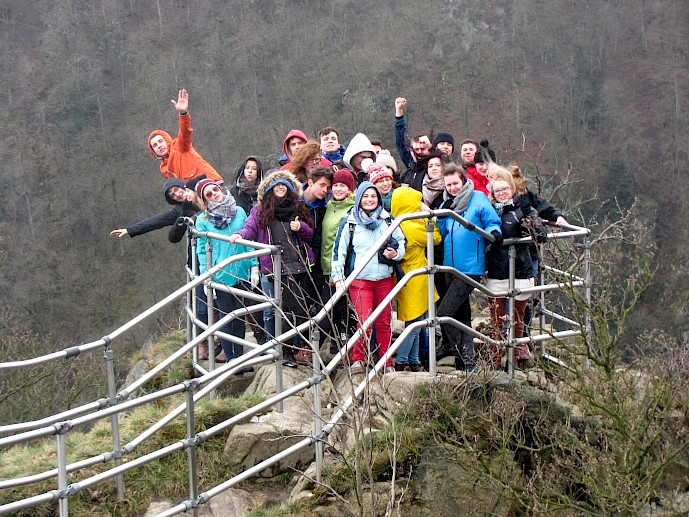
(220, 214)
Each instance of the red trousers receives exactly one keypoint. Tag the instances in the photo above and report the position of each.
(367, 295)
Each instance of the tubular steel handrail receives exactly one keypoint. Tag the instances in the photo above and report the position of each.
(59, 425)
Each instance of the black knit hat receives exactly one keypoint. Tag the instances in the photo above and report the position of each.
(444, 137)
(485, 151)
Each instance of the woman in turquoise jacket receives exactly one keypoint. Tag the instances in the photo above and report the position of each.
(223, 216)
(465, 250)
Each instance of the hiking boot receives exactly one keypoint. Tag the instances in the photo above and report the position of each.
(416, 368)
(357, 367)
(203, 351)
(401, 367)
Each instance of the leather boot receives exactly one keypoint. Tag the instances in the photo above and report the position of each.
(203, 351)
(221, 358)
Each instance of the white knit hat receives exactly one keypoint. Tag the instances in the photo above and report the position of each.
(386, 159)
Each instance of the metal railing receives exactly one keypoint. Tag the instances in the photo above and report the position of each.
(194, 390)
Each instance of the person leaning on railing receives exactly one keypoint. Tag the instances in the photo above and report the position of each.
(223, 216)
(464, 250)
(282, 219)
(519, 219)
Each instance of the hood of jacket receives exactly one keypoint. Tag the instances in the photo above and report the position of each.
(358, 144)
(169, 183)
(240, 169)
(294, 132)
(360, 192)
(405, 200)
(168, 140)
(279, 175)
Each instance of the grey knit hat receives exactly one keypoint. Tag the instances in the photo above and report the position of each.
(384, 157)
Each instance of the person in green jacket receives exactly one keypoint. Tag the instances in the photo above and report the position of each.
(337, 209)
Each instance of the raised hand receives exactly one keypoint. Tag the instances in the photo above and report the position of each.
(182, 102)
(400, 103)
(295, 225)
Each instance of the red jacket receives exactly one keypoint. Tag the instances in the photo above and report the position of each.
(182, 161)
(479, 180)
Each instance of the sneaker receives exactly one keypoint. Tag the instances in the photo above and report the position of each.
(388, 369)
(289, 361)
(303, 357)
(246, 369)
(357, 367)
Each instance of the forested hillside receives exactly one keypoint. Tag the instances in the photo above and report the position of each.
(592, 95)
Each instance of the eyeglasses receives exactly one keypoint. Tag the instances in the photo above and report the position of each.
(316, 159)
(384, 180)
(212, 188)
(501, 190)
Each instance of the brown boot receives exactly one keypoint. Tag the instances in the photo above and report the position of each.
(221, 358)
(203, 351)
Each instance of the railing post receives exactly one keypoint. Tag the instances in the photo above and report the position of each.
(210, 307)
(191, 450)
(114, 419)
(317, 413)
(192, 300)
(430, 254)
(510, 313)
(587, 292)
(277, 318)
(62, 481)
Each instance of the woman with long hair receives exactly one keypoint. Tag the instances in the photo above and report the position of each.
(519, 219)
(281, 218)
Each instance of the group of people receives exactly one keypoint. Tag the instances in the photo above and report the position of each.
(328, 206)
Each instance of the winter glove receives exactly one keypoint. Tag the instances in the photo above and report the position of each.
(255, 276)
(390, 243)
(491, 246)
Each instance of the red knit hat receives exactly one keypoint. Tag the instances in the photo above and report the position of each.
(202, 185)
(345, 177)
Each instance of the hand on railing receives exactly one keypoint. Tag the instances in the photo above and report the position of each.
(181, 221)
(255, 276)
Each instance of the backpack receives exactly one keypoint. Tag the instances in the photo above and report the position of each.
(349, 262)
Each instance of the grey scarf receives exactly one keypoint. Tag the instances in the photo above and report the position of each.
(461, 201)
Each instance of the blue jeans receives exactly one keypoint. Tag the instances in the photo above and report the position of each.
(408, 351)
(228, 302)
(268, 314)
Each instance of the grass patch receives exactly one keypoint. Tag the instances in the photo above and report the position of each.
(166, 478)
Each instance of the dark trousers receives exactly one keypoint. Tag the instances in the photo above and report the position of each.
(457, 304)
(228, 302)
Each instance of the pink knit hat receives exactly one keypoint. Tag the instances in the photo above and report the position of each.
(377, 172)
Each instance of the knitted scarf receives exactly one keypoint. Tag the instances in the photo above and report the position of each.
(370, 221)
(431, 188)
(220, 214)
(285, 209)
(249, 188)
(461, 201)
(500, 207)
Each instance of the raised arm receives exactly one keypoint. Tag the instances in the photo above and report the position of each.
(401, 135)
(182, 107)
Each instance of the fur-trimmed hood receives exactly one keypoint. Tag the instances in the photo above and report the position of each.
(276, 176)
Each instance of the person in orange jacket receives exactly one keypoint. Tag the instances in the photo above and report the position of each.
(178, 158)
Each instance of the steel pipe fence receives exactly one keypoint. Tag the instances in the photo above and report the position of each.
(60, 424)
